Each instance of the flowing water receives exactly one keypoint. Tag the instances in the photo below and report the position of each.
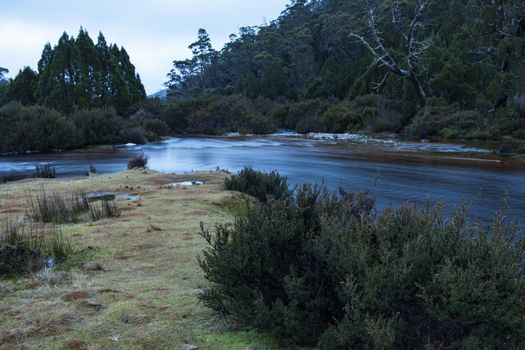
(395, 170)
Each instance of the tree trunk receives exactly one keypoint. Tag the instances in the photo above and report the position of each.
(420, 93)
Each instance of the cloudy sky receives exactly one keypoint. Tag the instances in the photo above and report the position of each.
(154, 32)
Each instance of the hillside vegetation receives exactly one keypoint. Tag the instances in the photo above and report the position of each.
(425, 68)
(452, 69)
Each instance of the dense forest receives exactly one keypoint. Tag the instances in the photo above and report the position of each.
(79, 96)
(450, 69)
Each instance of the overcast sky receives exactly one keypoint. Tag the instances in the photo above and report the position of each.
(154, 32)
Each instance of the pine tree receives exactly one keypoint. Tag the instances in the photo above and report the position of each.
(22, 87)
(77, 74)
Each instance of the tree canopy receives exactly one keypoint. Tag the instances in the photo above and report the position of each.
(457, 51)
(78, 74)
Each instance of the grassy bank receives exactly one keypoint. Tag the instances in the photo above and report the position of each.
(131, 282)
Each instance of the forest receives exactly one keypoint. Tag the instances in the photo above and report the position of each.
(421, 68)
(79, 96)
(448, 69)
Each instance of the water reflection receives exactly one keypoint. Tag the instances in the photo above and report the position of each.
(394, 176)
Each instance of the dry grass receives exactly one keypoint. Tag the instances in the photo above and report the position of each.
(133, 281)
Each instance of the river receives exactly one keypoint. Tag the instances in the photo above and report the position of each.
(395, 170)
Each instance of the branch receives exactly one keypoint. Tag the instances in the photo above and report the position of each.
(378, 86)
(411, 52)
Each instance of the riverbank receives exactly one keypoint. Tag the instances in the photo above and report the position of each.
(132, 281)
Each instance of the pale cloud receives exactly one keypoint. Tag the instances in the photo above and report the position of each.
(154, 32)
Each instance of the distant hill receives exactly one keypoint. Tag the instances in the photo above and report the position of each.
(161, 94)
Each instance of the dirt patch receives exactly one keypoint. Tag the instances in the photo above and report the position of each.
(187, 236)
(75, 345)
(75, 295)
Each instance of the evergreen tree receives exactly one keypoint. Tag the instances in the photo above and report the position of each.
(22, 87)
(197, 67)
(3, 71)
(77, 74)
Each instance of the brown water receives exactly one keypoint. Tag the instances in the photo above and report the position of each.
(396, 171)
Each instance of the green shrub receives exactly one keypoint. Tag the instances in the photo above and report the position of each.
(138, 162)
(156, 126)
(100, 126)
(45, 171)
(216, 115)
(36, 128)
(330, 270)
(258, 184)
(134, 135)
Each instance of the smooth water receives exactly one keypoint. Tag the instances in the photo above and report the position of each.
(396, 171)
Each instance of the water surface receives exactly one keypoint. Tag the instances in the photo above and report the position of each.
(396, 171)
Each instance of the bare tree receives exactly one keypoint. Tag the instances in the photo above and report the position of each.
(414, 48)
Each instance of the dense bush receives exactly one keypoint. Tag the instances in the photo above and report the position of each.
(99, 126)
(133, 135)
(330, 270)
(450, 122)
(216, 115)
(35, 128)
(138, 162)
(368, 113)
(258, 184)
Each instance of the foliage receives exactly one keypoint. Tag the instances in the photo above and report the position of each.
(258, 184)
(211, 114)
(446, 121)
(77, 73)
(98, 126)
(35, 128)
(138, 162)
(466, 54)
(329, 269)
(22, 88)
(45, 171)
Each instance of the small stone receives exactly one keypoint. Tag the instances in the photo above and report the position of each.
(189, 347)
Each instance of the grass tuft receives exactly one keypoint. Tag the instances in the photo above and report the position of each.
(45, 171)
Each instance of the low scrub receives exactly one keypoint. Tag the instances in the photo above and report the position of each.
(36, 128)
(45, 171)
(260, 185)
(330, 270)
(28, 247)
(138, 162)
